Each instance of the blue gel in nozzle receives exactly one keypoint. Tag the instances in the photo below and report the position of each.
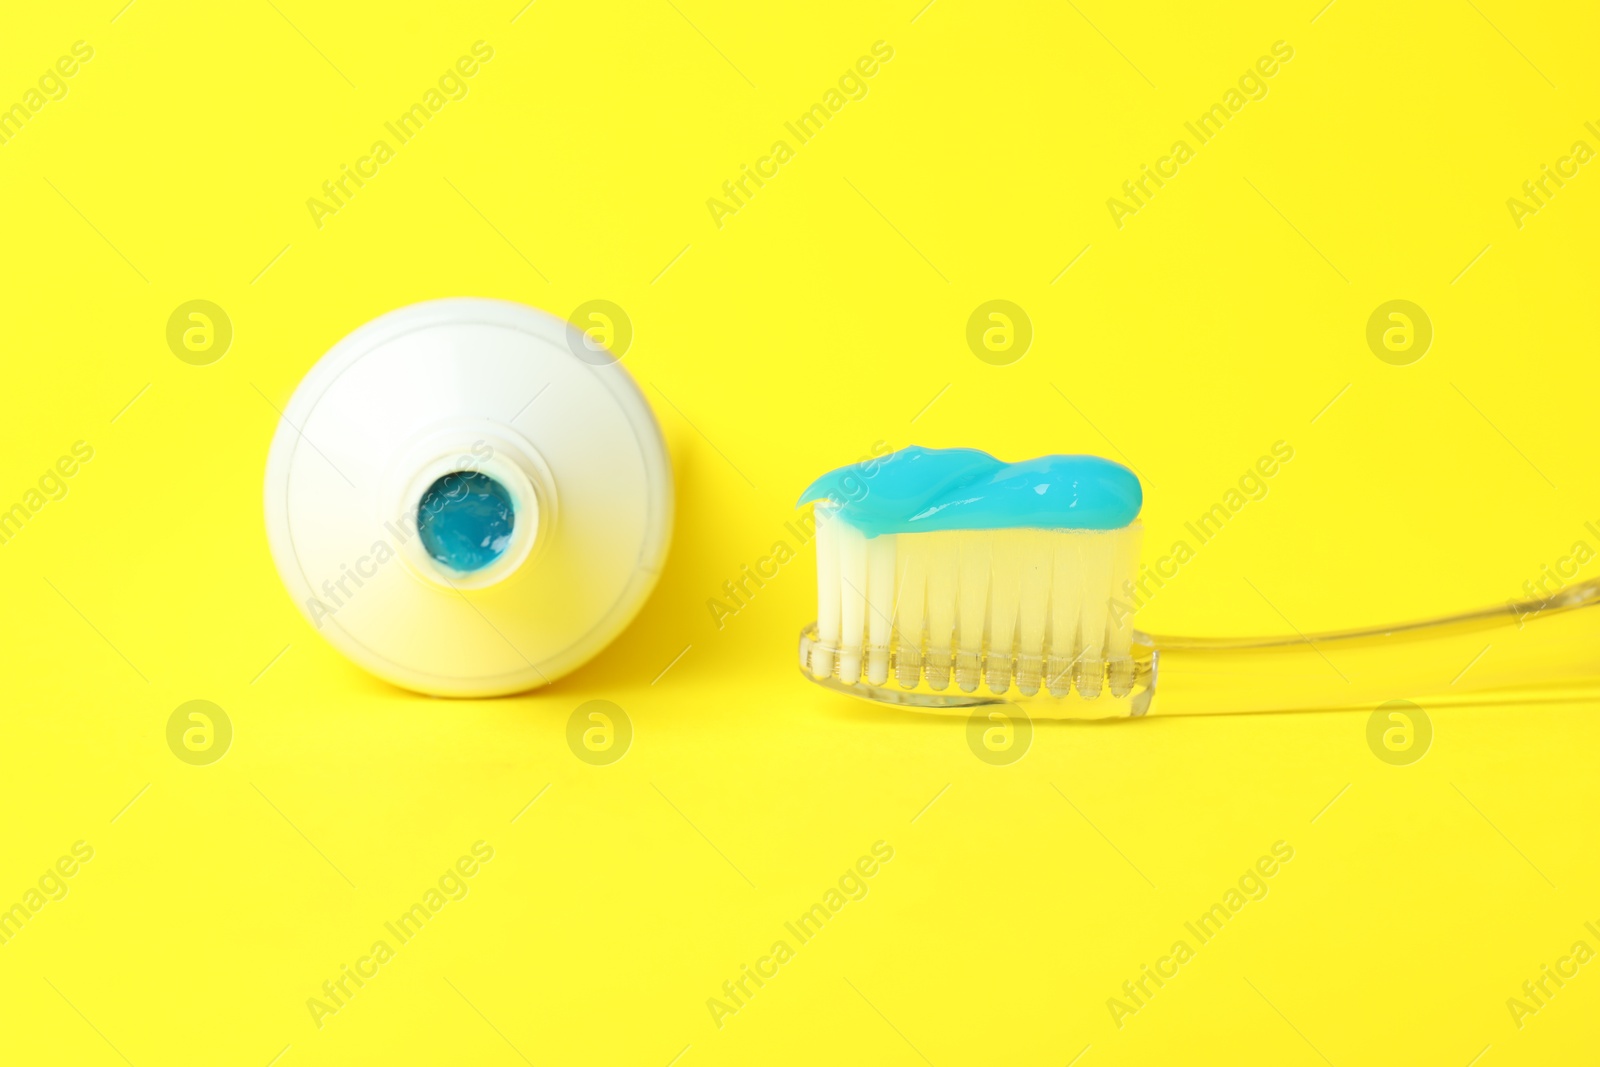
(465, 520)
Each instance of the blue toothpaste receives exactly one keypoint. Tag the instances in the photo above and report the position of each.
(921, 489)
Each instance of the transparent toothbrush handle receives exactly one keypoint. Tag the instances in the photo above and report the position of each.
(1536, 647)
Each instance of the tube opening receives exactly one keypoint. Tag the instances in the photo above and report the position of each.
(465, 519)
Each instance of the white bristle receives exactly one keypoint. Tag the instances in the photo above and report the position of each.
(852, 601)
(972, 606)
(1119, 632)
(910, 615)
(1065, 595)
(942, 558)
(1022, 607)
(1005, 594)
(1090, 669)
(827, 594)
(880, 606)
(1034, 610)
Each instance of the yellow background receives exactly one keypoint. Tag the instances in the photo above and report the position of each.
(823, 317)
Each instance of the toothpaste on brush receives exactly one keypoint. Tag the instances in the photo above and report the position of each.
(949, 561)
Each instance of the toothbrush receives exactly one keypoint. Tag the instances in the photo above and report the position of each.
(947, 580)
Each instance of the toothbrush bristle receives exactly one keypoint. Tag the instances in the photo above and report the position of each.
(1034, 609)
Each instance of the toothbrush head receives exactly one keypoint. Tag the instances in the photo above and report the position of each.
(947, 565)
